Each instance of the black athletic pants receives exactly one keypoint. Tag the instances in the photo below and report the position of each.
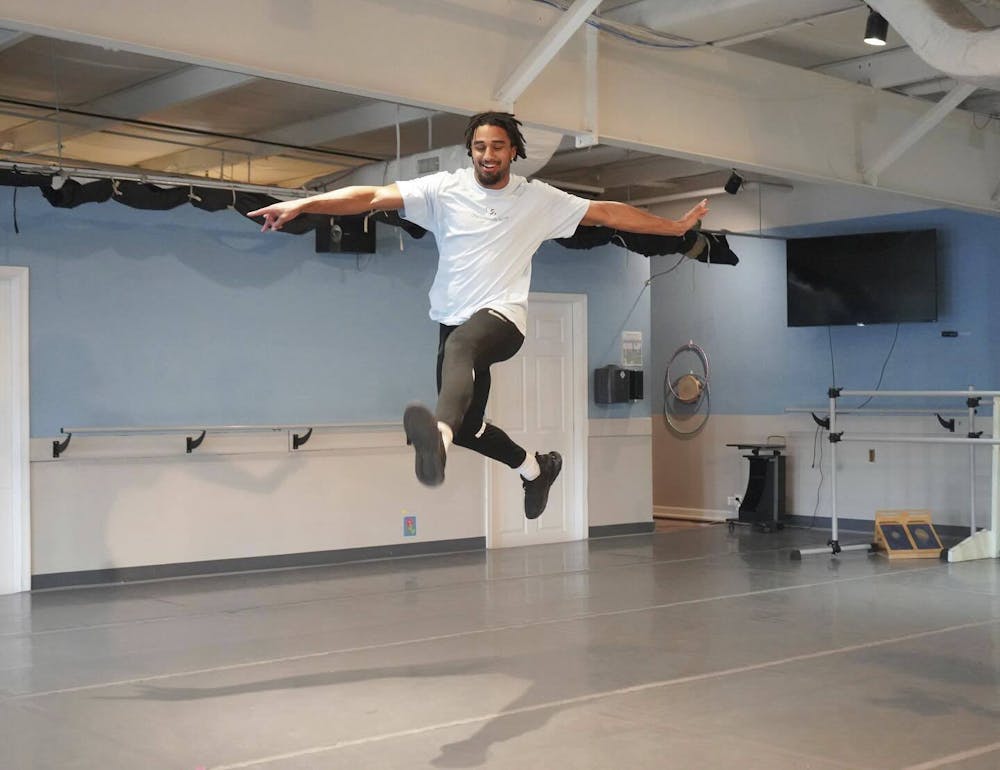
(465, 353)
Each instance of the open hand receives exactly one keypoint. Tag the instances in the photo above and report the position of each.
(698, 211)
(277, 214)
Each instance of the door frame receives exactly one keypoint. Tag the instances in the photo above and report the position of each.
(16, 518)
(580, 391)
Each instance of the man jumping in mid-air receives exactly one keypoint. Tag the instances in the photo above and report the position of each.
(488, 223)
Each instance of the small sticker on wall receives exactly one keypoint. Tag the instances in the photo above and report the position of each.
(632, 349)
(409, 526)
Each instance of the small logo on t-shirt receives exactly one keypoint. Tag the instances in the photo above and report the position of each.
(491, 213)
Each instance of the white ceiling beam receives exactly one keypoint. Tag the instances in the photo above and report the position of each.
(357, 120)
(707, 192)
(890, 69)
(183, 85)
(702, 192)
(930, 87)
(590, 86)
(167, 90)
(322, 130)
(10, 38)
(986, 105)
(705, 104)
(917, 131)
(572, 19)
(640, 171)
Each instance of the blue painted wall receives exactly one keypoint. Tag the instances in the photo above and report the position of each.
(759, 366)
(184, 317)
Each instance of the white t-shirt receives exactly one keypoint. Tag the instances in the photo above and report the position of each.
(486, 239)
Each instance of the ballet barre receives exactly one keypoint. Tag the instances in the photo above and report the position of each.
(195, 434)
(979, 545)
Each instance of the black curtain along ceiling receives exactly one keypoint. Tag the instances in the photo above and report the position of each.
(705, 247)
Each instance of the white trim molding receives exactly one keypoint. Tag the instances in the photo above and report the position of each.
(15, 517)
(690, 514)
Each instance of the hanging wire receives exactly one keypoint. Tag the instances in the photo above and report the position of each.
(640, 35)
(645, 285)
(55, 89)
(17, 230)
(819, 465)
(833, 369)
(990, 117)
(884, 364)
(398, 155)
(881, 375)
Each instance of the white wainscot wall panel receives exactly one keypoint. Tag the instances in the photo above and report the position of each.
(93, 510)
(113, 502)
(621, 483)
(698, 474)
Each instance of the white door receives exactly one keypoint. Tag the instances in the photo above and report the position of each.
(539, 398)
(15, 543)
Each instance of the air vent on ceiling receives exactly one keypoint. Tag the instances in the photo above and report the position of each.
(429, 165)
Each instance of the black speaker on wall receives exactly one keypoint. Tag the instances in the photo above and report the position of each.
(345, 235)
(635, 384)
(615, 385)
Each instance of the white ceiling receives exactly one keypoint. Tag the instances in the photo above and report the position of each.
(70, 104)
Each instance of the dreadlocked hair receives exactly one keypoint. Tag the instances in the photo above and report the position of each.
(504, 120)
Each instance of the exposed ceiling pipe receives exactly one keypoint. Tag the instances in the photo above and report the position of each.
(782, 27)
(948, 37)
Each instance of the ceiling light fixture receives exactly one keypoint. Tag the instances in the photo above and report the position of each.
(876, 29)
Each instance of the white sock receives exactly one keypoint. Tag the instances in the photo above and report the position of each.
(529, 469)
(446, 434)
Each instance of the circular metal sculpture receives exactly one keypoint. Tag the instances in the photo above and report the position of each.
(686, 398)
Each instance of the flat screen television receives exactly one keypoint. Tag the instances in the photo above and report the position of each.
(862, 279)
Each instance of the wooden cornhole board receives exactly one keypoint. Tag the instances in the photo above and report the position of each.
(907, 535)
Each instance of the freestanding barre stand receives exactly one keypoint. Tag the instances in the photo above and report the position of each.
(979, 545)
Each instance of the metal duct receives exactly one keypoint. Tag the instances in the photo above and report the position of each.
(948, 37)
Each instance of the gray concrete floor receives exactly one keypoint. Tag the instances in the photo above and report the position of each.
(696, 648)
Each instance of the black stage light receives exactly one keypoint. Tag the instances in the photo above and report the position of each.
(876, 29)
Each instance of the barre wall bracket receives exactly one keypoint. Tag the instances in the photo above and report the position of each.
(948, 425)
(58, 447)
(194, 443)
(835, 437)
(298, 440)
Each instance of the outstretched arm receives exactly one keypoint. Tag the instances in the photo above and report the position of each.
(347, 200)
(621, 216)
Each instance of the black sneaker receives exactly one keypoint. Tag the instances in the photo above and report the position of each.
(536, 492)
(712, 248)
(423, 434)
